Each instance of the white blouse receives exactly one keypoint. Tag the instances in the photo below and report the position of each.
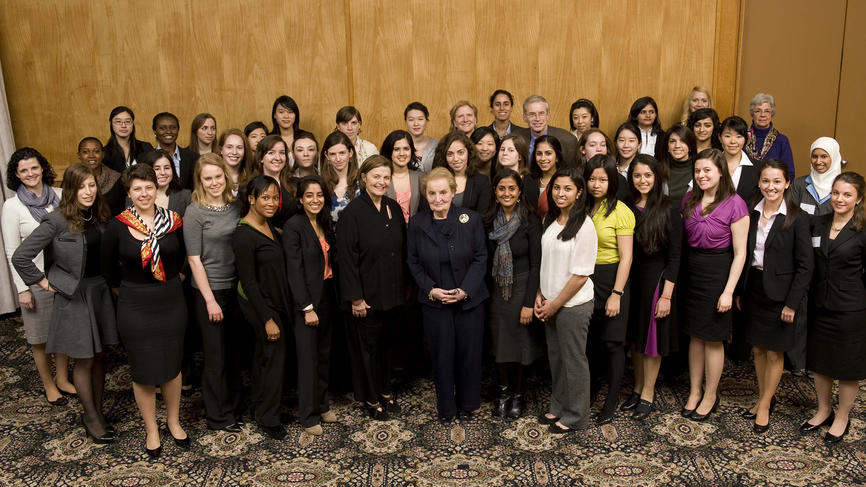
(17, 224)
(763, 232)
(561, 260)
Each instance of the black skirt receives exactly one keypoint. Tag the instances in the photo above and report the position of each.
(708, 271)
(513, 342)
(764, 325)
(151, 319)
(836, 343)
(608, 329)
(659, 338)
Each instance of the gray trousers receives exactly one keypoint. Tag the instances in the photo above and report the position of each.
(566, 348)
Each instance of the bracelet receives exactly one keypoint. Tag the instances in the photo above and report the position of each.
(665, 297)
(614, 291)
(430, 295)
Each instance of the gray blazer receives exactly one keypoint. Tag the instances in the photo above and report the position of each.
(415, 178)
(64, 254)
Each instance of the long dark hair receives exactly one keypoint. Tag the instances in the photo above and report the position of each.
(393, 138)
(520, 208)
(590, 107)
(255, 187)
(856, 180)
(702, 113)
(639, 105)
(726, 185)
(263, 147)
(12, 180)
(608, 165)
(112, 146)
(793, 210)
(687, 136)
(150, 157)
(534, 169)
(440, 159)
(329, 174)
(73, 178)
(289, 104)
(578, 212)
(324, 216)
(651, 229)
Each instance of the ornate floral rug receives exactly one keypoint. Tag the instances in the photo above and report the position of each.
(42, 445)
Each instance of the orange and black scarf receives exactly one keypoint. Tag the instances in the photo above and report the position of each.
(164, 222)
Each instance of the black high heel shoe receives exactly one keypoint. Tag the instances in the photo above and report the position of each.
(103, 439)
(153, 453)
(750, 415)
(631, 402)
(808, 427)
(181, 442)
(687, 413)
(377, 412)
(643, 409)
(696, 416)
(389, 404)
(830, 439)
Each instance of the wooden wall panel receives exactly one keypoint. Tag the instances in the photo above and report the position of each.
(66, 64)
(852, 96)
(796, 58)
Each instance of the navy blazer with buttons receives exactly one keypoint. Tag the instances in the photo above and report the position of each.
(788, 258)
(837, 282)
(467, 249)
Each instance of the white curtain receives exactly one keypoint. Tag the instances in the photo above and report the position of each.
(8, 299)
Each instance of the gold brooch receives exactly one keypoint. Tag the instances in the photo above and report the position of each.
(463, 218)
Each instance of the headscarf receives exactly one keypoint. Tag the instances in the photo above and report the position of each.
(164, 222)
(823, 183)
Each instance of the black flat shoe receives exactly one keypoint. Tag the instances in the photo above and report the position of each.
(103, 439)
(377, 412)
(643, 409)
(553, 428)
(68, 394)
(446, 420)
(828, 438)
(631, 402)
(181, 442)
(543, 419)
(703, 417)
(808, 427)
(750, 415)
(465, 416)
(687, 413)
(60, 401)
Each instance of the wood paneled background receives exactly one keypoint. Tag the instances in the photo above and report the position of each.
(67, 64)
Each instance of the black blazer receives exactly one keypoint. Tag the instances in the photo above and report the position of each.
(467, 248)
(114, 154)
(305, 264)
(837, 282)
(530, 192)
(371, 247)
(788, 259)
(188, 159)
(748, 185)
(262, 273)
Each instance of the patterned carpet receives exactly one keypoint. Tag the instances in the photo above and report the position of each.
(41, 445)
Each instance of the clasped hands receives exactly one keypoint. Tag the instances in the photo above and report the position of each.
(447, 296)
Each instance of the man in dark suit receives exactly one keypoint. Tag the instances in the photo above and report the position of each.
(165, 128)
(536, 113)
(501, 104)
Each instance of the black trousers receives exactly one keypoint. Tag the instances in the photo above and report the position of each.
(456, 338)
(192, 340)
(267, 370)
(222, 366)
(370, 347)
(314, 359)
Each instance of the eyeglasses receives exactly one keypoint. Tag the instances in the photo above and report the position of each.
(122, 123)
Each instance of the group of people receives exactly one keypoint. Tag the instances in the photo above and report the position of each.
(556, 241)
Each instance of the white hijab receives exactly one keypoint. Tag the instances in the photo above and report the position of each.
(824, 182)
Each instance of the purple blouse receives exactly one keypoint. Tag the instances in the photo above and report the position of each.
(714, 230)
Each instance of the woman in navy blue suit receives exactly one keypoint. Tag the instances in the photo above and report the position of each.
(447, 256)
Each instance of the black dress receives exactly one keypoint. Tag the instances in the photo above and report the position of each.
(512, 341)
(649, 271)
(836, 342)
(151, 315)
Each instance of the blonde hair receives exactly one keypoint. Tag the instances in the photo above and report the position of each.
(213, 159)
(686, 104)
(462, 103)
(436, 174)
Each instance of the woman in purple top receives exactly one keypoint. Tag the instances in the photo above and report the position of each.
(716, 224)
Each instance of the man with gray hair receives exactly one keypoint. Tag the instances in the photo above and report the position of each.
(536, 113)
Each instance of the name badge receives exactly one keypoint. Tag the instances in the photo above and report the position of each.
(810, 209)
(816, 241)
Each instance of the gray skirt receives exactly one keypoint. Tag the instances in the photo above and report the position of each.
(37, 321)
(82, 324)
(513, 342)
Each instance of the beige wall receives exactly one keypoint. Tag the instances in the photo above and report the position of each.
(66, 64)
(815, 68)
